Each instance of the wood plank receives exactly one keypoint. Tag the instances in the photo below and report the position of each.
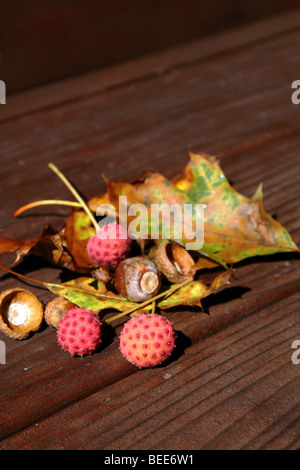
(275, 194)
(133, 71)
(149, 124)
(49, 380)
(222, 392)
(65, 141)
(45, 42)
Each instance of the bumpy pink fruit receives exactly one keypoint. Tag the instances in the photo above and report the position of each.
(147, 340)
(109, 246)
(79, 332)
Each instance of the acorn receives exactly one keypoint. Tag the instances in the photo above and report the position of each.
(173, 260)
(20, 313)
(137, 279)
(56, 309)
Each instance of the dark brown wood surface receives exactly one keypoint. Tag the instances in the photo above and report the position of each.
(45, 41)
(231, 382)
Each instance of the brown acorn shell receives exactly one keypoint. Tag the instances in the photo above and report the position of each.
(174, 261)
(20, 313)
(56, 309)
(137, 279)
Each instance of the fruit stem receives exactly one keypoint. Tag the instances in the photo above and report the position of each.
(147, 302)
(75, 194)
(56, 202)
(45, 202)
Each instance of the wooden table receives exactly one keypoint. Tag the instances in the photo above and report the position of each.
(232, 383)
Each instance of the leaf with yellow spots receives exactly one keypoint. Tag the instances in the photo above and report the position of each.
(78, 230)
(93, 295)
(235, 227)
(192, 293)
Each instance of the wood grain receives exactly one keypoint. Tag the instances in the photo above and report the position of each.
(231, 382)
(42, 42)
(224, 392)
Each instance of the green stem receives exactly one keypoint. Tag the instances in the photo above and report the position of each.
(75, 194)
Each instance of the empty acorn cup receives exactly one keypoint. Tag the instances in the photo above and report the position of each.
(174, 261)
(20, 313)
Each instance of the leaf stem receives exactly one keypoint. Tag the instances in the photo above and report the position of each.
(147, 302)
(23, 276)
(51, 284)
(109, 320)
(75, 194)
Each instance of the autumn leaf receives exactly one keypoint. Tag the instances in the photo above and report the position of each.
(97, 201)
(9, 245)
(153, 190)
(235, 227)
(192, 293)
(49, 245)
(91, 294)
(78, 230)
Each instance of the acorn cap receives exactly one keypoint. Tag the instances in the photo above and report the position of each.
(174, 261)
(20, 313)
(56, 309)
